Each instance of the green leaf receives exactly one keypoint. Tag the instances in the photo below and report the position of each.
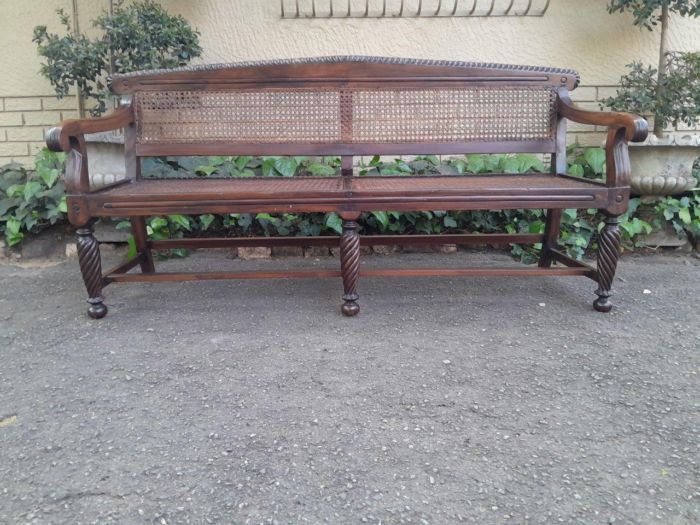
(218, 161)
(48, 175)
(158, 223)
(206, 220)
(13, 235)
(15, 191)
(205, 170)
(576, 170)
(595, 157)
(334, 222)
(475, 163)
(536, 227)
(460, 166)
(286, 166)
(528, 162)
(14, 239)
(570, 214)
(13, 225)
(181, 221)
(242, 161)
(449, 222)
(684, 215)
(6, 205)
(132, 246)
(382, 217)
(511, 165)
(322, 170)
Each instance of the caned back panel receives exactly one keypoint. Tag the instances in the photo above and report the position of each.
(335, 116)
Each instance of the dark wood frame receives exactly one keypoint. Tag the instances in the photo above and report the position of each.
(85, 205)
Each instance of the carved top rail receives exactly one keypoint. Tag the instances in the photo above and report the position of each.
(340, 70)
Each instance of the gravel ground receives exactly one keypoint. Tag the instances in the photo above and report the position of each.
(485, 400)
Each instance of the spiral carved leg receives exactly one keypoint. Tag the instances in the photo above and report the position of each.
(350, 266)
(608, 254)
(91, 268)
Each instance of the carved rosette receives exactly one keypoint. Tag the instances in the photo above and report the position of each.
(91, 269)
(350, 266)
(608, 254)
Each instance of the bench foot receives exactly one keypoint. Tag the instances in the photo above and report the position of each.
(350, 266)
(97, 309)
(602, 304)
(350, 306)
(608, 254)
(91, 268)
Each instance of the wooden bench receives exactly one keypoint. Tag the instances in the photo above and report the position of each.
(347, 106)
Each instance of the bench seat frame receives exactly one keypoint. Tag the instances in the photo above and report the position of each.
(85, 205)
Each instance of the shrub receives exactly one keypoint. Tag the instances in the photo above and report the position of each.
(669, 92)
(670, 98)
(141, 35)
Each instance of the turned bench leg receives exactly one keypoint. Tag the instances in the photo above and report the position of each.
(91, 268)
(608, 254)
(138, 230)
(350, 266)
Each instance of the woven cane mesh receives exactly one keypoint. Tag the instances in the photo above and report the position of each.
(437, 115)
(453, 115)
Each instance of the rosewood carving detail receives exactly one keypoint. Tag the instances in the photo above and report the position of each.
(91, 268)
(350, 266)
(608, 254)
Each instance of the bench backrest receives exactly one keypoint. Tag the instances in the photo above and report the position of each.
(345, 106)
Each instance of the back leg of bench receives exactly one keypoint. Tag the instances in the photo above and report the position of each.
(551, 235)
(138, 229)
(91, 268)
(608, 254)
(350, 266)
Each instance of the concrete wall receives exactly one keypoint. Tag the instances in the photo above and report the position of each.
(573, 33)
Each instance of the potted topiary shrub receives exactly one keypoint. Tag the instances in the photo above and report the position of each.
(667, 95)
(140, 35)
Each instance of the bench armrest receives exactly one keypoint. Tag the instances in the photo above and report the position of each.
(69, 136)
(636, 128)
(63, 136)
(622, 128)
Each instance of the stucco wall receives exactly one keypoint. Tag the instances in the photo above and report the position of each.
(573, 33)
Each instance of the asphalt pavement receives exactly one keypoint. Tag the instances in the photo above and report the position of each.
(447, 400)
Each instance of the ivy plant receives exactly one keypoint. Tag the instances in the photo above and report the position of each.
(30, 201)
